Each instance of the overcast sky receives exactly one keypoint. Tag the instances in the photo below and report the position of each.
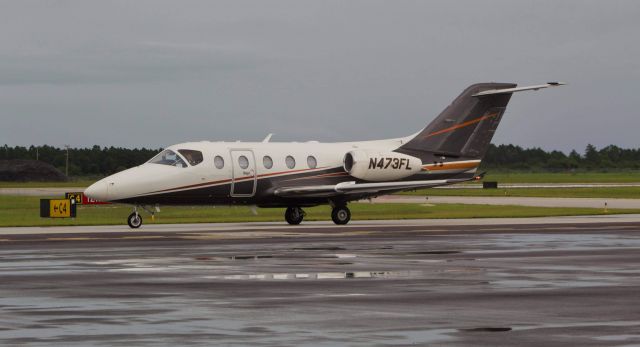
(155, 73)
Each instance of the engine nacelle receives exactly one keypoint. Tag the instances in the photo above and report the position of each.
(373, 165)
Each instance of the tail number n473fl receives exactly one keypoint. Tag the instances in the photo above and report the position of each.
(378, 166)
(386, 162)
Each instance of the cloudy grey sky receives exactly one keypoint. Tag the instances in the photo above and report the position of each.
(154, 73)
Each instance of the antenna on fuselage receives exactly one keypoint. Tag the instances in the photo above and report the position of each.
(268, 138)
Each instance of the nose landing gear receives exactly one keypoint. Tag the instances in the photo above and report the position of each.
(134, 220)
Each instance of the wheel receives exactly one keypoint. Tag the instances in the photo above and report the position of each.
(294, 215)
(341, 215)
(134, 220)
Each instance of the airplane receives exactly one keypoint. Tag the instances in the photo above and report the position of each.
(294, 175)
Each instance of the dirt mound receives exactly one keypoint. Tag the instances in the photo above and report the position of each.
(29, 170)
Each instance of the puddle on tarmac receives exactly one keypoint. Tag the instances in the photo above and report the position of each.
(258, 257)
(436, 252)
(579, 325)
(530, 283)
(76, 322)
(538, 242)
(319, 249)
(487, 329)
(620, 338)
(319, 275)
(250, 257)
(411, 337)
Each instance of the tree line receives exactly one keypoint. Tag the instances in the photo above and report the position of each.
(94, 161)
(511, 157)
(101, 161)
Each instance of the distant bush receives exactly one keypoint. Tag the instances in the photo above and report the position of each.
(94, 161)
(512, 157)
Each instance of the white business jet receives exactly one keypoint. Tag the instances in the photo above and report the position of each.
(296, 175)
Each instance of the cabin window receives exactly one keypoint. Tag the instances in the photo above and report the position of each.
(218, 162)
(243, 162)
(267, 162)
(290, 161)
(312, 162)
(168, 157)
(193, 157)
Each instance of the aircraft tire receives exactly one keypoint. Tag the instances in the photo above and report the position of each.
(134, 220)
(341, 215)
(294, 215)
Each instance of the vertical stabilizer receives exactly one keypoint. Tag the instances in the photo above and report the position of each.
(465, 128)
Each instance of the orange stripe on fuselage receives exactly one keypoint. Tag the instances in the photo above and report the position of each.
(450, 166)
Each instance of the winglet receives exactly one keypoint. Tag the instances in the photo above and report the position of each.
(268, 138)
(519, 89)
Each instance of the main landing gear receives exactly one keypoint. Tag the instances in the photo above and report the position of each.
(340, 215)
(294, 215)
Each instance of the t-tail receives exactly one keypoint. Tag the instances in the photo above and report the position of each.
(465, 128)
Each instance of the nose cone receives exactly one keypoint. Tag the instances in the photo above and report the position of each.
(98, 191)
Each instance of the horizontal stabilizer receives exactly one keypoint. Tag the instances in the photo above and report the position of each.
(518, 89)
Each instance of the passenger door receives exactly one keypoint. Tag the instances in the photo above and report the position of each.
(243, 183)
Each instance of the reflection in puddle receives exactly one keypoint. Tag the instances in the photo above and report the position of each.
(319, 249)
(318, 275)
(248, 257)
(487, 329)
(621, 337)
(436, 252)
(539, 242)
(411, 337)
(535, 283)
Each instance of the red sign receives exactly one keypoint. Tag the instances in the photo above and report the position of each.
(81, 199)
(88, 201)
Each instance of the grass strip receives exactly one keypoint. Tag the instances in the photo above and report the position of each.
(600, 192)
(564, 177)
(24, 211)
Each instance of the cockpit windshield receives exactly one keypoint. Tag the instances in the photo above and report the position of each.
(168, 157)
(193, 157)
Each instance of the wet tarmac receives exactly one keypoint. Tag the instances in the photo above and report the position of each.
(366, 285)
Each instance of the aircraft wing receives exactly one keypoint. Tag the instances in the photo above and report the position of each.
(347, 188)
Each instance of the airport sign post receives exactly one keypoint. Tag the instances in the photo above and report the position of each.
(57, 208)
